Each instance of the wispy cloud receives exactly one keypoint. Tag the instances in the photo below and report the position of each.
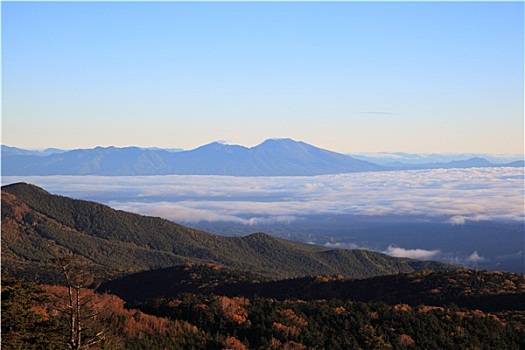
(379, 113)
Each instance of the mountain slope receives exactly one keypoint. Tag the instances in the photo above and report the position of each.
(282, 157)
(288, 157)
(37, 226)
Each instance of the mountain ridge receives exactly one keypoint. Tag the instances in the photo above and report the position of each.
(37, 226)
(273, 157)
(410, 161)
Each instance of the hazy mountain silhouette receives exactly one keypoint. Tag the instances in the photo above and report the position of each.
(271, 158)
(14, 151)
(407, 161)
(274, 157)
(475, 162)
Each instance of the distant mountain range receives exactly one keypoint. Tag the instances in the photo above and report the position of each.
(274, 157)
(38, 226)
(476, 162)
(282, 157)
(400, 160)
(391, 158)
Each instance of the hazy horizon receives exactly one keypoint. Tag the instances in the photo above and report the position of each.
(351, 77)
(379, 154)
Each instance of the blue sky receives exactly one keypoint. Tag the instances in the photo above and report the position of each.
(422, 77)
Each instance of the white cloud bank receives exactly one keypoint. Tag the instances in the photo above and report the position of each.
(419, 254)
(450, 195)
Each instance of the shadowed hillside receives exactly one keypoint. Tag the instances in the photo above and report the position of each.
(488, 291)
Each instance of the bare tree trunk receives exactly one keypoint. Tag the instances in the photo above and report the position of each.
(78, 327)
(78, 279)
(72, 320)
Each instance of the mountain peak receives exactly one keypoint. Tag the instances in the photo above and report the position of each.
(219, 146)
(281, 142)
(23, 187)
(260, 236)
(286, 146)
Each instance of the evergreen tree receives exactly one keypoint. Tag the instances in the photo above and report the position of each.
(26, 323)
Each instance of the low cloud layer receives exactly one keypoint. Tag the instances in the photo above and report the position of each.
(475, 257)
(420, 254)
(449, 195)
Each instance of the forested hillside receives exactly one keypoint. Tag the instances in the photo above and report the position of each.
(173, 287)
(206, 319)
(31, 319)
(38, 226)
(488, 291)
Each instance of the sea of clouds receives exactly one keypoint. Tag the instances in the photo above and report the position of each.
(452, 195)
